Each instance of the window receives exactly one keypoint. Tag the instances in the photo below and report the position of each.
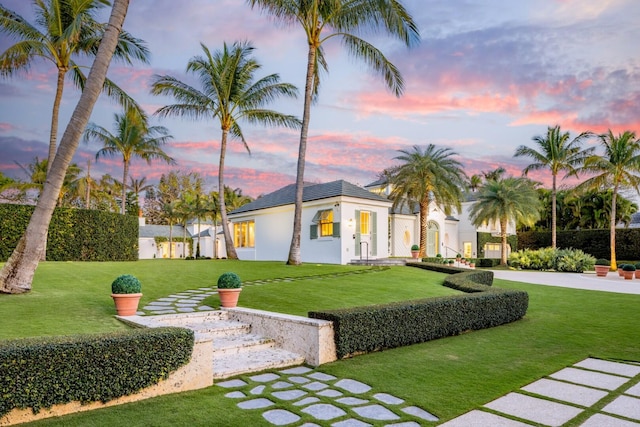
(323, 225)
(244, 234)
(365, 222)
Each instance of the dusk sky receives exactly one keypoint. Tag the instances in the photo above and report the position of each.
(487, 77)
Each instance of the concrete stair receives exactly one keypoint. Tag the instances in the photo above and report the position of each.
(379, 261)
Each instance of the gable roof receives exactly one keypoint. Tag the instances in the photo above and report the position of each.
(286, 195)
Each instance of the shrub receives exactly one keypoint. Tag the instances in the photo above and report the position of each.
(126, 284)
(569, 260)
(602, 261)
(574, 260)
(415, 248)
(487, 262)
(629, 267)
(638, 266)
(229, 280)
(40, 372)
(438, 255)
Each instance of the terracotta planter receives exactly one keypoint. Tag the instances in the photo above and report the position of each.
(126, 304)
(415, 254)
(472, 265)
(229, 297)
(628, 275)
(637, 274)
(620, 272)
(602, 270)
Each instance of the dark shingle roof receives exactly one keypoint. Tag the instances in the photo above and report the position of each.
(635, 220)
(286, 195)
(159, 231)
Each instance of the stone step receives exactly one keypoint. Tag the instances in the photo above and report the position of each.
(379, 261)
(236, 344)
(219, 328)
(229, 365)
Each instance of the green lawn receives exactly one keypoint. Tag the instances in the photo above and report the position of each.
(447, 376)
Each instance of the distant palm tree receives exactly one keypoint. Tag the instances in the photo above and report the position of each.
(427, 175)
(617, 169)
(229, 93)
(475, 181)
(65, 29)
(557, 152)
(17, 273)
(495, 174)
(137, 186)
(504, 200)
(171, 213)
(37, 175)
(133, 137)
(345, 20)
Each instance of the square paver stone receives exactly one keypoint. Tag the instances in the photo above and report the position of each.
(353, 386)
(626, 406)
(264, 378)
(634, 391)
(324, 411)
(482, 419)
(375, 412)
(280, 417)
(571, 393)
(601, 420)
(534, 409)
(618, 368)
(592, 379)
(351, 422)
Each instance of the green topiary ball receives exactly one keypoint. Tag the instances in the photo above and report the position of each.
(415, 248)
(602, 261)
(229, 280)
(629, 267)
(126, 284)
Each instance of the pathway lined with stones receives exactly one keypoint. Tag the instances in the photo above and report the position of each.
(190, 301)
(314, 398)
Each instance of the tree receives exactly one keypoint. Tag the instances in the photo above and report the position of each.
(137, 186)
(171, 213)
(133, 138)
(65, 29)
(557, 152)
(427, 175)
(16, 275)
(230, 93)
(343, 19)
(504, 200)
(37, 175)
(618, 168)
(475, 181)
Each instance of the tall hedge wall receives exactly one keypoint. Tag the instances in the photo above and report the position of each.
(74, 234)
(594, 242)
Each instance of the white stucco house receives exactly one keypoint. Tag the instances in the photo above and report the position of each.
(340, 222)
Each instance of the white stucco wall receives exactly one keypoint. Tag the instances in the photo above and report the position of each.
(146, 248)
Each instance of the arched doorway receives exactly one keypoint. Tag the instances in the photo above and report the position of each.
(433, 238)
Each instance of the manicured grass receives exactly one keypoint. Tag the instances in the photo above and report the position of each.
(447, 376)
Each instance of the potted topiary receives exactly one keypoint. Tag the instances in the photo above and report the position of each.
(602, 267)
(458, 257)
(450, 262)
(472, 263)
(628, 271)
(415, 251)
(229, 288)
(125, 291)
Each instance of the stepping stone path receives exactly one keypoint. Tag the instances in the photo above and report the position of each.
(190, 301)
(323, 398)
(565, 395)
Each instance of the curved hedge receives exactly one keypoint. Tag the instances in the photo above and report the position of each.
(40, 372)
(372, 328)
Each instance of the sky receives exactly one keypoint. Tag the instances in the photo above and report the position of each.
(487, 76)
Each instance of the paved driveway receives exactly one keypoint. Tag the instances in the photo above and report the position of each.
(611, 283)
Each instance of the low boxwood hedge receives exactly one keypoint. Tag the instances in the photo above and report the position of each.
(371, 328)
(40, 372)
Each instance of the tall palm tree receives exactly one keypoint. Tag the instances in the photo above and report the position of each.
(504, 200)
(64, 30)
(427, 175)
(137, 186)
(322, 20)
(133, 137)
(618, 168)
(17, 273)
(557, 152)
(37, 176)
(230, 94)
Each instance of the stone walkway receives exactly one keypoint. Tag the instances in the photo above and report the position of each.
(321, 398)
(191, 300)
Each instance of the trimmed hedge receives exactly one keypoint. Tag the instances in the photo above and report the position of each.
(372, 328)
(74, 234)
(488, 262)
(40, 372)
(594, 242)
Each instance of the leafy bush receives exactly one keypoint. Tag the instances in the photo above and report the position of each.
(569, 260)
(629, 267)
(602, 261)
(229, 280)
(40, 372)
(372, 328)
(638, 266)
(126, 284)
(487, 262)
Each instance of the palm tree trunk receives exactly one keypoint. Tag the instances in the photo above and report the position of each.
(554, 215)
(53, 134)
(503, 241)
(228, 241)
(424, 216)
(125, 173)
(17, 274)
(294, 250)
(612, 223)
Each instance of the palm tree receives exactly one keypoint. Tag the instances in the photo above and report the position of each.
(230, 94)
(475, 181)
(343, 19)
(37, 175)
(137, 186)
(427, 175)
(504, 200)
(17, 273)
(171, 213)
(66, 29)
(557, 152)
(617, 169)
(133, 138)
